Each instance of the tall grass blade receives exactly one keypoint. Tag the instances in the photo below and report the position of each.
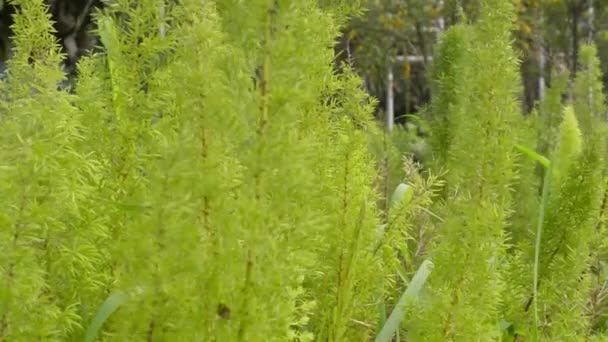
(544, 161)
(106, 309)
(411, 294)
(381, 307)
(539, 227)
(403, 192)
(539, 231)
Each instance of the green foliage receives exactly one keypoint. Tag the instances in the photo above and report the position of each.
(449, 92)
(569, 145)
(566, 238)
(467, 282)
(226, 207)
(564, 250)
(590, 100)
(105, 310)
(550, 113)
(211, 177)
(410, 295)
(593, 108)
(527, 184)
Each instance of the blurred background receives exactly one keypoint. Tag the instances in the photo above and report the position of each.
(391, 43)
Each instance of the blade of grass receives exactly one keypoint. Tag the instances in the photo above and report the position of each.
(544, 161)
(403, 192)
(539, 227)
(411, 294)
(539, 231)
(381, 306)
(111, 304)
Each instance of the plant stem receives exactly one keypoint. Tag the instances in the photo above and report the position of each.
(539, 230)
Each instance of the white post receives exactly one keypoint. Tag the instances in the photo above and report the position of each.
(390, 98)
(541, 78)
(161, 29)
(440, 20)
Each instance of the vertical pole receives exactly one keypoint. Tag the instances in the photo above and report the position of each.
(541, 57)
(390, 98)
(161, 29)
(440, 20)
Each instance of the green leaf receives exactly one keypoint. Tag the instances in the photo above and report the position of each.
(544, 161)
(411, 294)
(403, 193)
(420, 121)
(107, 34)
(504, 324)
(381, 306)
(105, 310)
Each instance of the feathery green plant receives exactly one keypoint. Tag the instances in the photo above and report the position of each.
(52, 266)
(470, 251)
(571, 213)
(211, 166)
(448, 93)
(590, 101)
(188, 182)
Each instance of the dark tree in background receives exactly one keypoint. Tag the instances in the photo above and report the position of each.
(73, 26)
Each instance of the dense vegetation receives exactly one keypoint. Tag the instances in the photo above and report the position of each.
(211, 176)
